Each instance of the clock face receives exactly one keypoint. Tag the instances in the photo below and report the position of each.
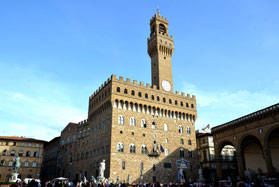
(166, 85)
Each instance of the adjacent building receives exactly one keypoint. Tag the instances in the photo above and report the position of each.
(30, 152)
(139, 130)
(51, 159)
(255, 139)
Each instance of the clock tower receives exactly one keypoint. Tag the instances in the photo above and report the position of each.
(160, 50)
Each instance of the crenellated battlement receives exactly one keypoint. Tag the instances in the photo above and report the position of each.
(101, 87)
(148, 86)
(83, 122)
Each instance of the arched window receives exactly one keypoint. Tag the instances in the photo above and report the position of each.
(188, 130)
(28, 153)
(190, 154)
(189, 142)
(192, 105)
(146, 96)
(181, 103)
(121, 120)
(132, 148)
(133, 92)
(181, 141)
(165, 127)
(180, 129)
(139, 94)
(175, 102)
(2, 163)
(152, 97)
(120, 147)
(10, 163)
(123, 165)
(13, 153)
(170, 101)
(36, 154)
(143, 123)
(153, 125)
(143, 149)
(125, 91)
(118, 89)
(181, 153)
(187, 105)
(34, 164)
(132, 121)
(162, 28)
(164, 100)
(4, 153)
(26, 164)
(158, 98)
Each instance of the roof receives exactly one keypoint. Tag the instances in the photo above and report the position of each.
(260, 114)
(20, 138)
(199, 135)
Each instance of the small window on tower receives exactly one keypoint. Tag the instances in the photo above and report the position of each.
(146, 96)
(133, 92)
(152, 97)
(139, 94)
(125, 91)
(162, 28)
(118, 89)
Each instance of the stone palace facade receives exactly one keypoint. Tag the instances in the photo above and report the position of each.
(140, 130)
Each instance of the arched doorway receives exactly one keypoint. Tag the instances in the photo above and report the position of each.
(273, 145)
(228, 161)
(252, 154)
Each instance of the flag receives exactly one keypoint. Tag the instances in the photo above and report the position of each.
(161, 149)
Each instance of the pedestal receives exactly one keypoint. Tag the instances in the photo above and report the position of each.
(14, 177)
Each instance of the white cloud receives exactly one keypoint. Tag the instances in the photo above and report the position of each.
(34, 105)
(221, 106)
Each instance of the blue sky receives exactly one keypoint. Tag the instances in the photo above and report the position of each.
(54, 54)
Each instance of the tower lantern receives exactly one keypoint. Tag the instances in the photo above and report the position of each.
(160, 50)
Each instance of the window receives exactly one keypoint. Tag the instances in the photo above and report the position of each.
(167, 165)
(123, 165)
(74, 138)
(20, 153)
(29, 144)
(188, 130)
(7, 143)
(190, 154)
(13, 153)
(180, 129)
(152, 97)
(181, 103)
(36, 154)
(146, 96)
(143, 123)
(166, 152)
(133, 92)
(189, 142)
(34, 164)
(2, 163)
(158, 98)
(170, 101)
(10, 163)
(181, 141)
(28, 153)
(153, 125)
(125, 91)
(22, 144)
(26, 164)
(120, 147)
(192, 105)
(143, 149)
(175, 102)
(121, 120)
(4, 153)
(132, 148)
(139, 94)
(118, 89)
(132, 121)
(165, 127)
(181, 153)
(187, 105)
(167, 140)
(37, 145)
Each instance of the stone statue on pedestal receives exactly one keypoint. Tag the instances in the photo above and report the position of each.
(102, 167)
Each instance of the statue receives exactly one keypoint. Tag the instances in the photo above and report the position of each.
(102, 168)
(16, 166)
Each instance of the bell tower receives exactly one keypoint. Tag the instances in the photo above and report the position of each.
(160, 50)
